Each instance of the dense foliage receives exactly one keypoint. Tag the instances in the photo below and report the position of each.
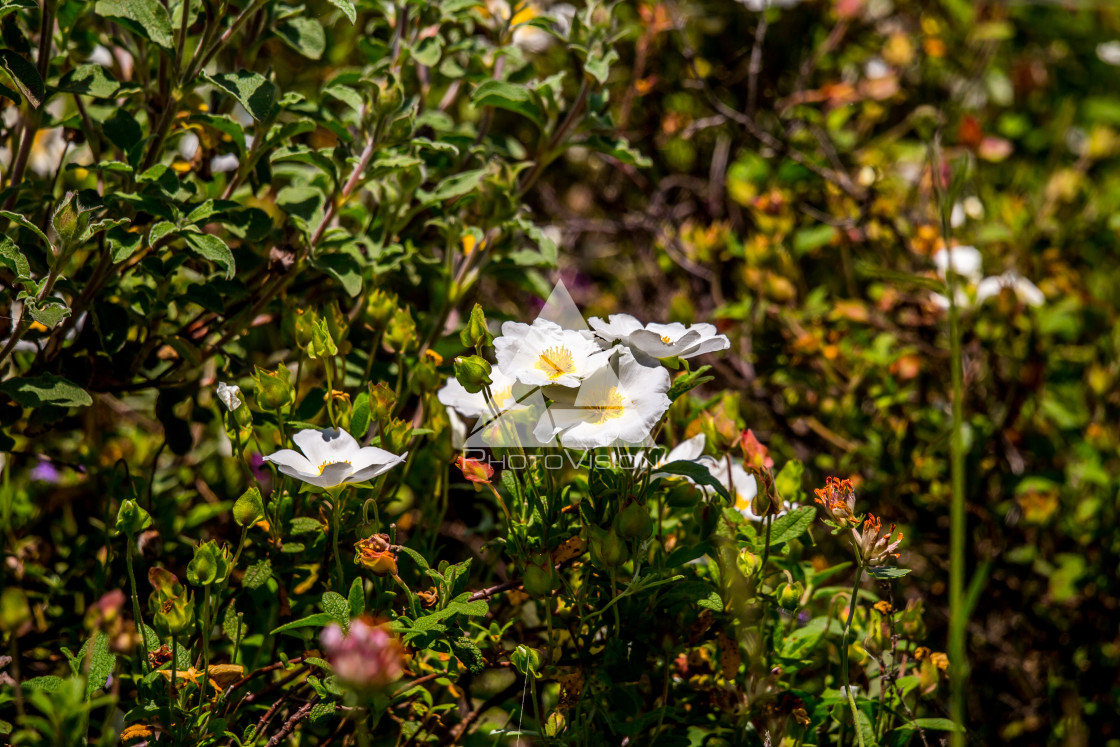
(255, 264)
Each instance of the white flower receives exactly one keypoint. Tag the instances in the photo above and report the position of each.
(530, 37)
(659, 340)
(454, 396)
(543, 353)
(965, 261)
(760, 5)
(737, 481)
(47, 151)
(1109, 52)
(100, 56)
(609, 409)
(332, 457)
(222, 164)
(1026, 291)
(229, 395)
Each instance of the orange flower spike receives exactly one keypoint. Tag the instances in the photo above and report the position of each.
(839, 499)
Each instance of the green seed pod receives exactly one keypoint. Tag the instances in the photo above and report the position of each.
(401, 332)
(789, 595)
(608, 550)
(633, 522)
(249, 508)
(527, 660)
(274, 388)
(475, 334)
(211, 564)
(540, 578)
(749, 563)
(473, 372)
(132, 519)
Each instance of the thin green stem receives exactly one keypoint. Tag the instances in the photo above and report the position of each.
(336, 519)
(136, 609)
(205, 631)
(844, 653)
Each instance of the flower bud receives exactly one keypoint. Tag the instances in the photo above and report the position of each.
(229, 395)
(323, 343)
(401, 332)
(527, 660)
(379, 309)
(473, 372)
(15, 612)
(755, 454)
(366, 658)
(376, 555)
(749, 563)
(425, 376)
(303, 326)
(633, 522)
(474, 470)
(132, 519)
(274, 389)
(539, 577)
(171, 607)
(608, 550)
(475, 334)
(211, 564)
(249, 508)
(382, 400)
(789, 595)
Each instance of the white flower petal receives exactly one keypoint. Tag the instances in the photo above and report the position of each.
(326, 446)
(375, 468)
(293, 463)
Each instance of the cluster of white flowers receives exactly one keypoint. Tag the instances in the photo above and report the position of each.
(605, 386)
(967, 263)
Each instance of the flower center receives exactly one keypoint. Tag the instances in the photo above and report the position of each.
(666, 339)
(502, 396)
(608, 405)
(555, 362)
(328, 463)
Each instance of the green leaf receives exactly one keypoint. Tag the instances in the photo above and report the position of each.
(475, 609)
(49, 313)
(46, 389)
(25, 223)
(336, 605)
(699, 474)
(456, 186)
(123, 244)
(509, 96)
(688, 381)
(318, 620)
(257, 574)
(937, 724)
(428, 51)
(100, 664)
(90, 80)
(417, 558)
(792, 525)
(208, 246)
(148, 18)
(255, 92)
(866, 730)
(48, 683)
(347, 8)
(788, 481)
(357, 598)
(346, 95)
(343, 268)
(304, 35)
(320, 711)
(233, 626)
(467, 652)
(12, 258)
(24, 75)
(11, 6)
(122, 130)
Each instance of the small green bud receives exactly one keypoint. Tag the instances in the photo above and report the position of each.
(401, 332)
(475, 334)
(249, 508)
(211, 564)
(539, 577)
(749, 563)
(555, 725)
(132, 519)
(14, 609)
(789, 595)
(633, 522)
(473, 372)
(274, 388)
(608, 550)
(382, 400)
(380, 307)
(527, 660)
(323, 344)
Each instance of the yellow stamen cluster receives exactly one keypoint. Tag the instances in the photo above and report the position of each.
(328, 463)
(608, 405)
(666, 339)
(556, 362)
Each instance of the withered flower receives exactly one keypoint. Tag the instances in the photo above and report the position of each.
(376, 555)
(876, 548)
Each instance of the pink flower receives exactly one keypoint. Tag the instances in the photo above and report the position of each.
(366, 658)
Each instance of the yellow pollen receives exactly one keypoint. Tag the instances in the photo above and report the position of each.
(608, 405)
(555, 362)
(502, 396)
(324, 465)
(666, 339)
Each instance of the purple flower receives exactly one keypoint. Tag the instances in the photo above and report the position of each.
(45, 471)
